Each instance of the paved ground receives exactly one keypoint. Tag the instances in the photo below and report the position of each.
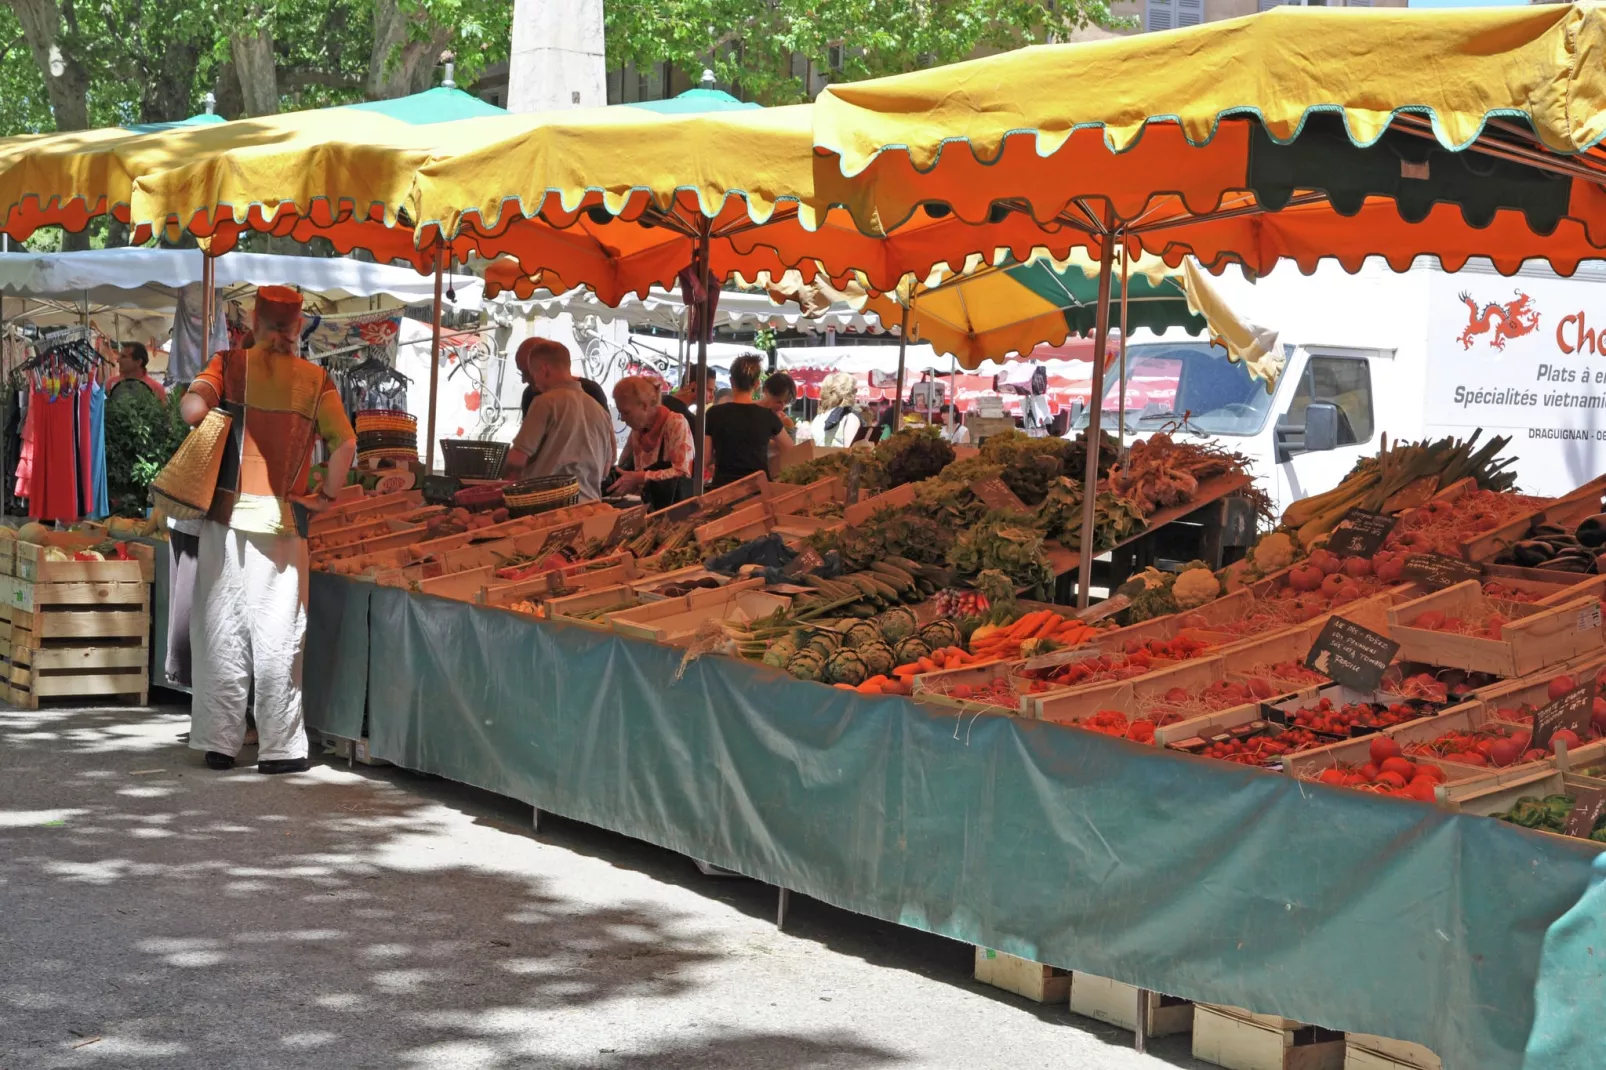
(156, 914)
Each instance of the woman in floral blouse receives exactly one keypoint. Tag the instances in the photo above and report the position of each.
(658, 458)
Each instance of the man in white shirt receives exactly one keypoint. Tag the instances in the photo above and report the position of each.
(565, 433)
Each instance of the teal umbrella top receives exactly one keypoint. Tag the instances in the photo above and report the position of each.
(194, 120)
(704, 98)
(443, 104)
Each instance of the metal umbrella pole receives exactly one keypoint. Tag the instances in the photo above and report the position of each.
(208, 306)
(1090, 480)
(1121, 425)
(903, 345)
(700, 261)
(434, 365)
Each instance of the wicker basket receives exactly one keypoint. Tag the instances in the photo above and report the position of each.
(468, 458)
(541, 495)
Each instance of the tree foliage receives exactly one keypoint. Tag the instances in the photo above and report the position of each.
(767, 50)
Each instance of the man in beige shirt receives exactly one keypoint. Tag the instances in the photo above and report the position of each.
(565, 433)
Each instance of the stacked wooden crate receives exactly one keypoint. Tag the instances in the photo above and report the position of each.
(73, 630)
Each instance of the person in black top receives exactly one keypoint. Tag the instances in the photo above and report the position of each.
(741, 431)
(593, 390)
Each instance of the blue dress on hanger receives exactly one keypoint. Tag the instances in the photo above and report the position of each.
(97, 446)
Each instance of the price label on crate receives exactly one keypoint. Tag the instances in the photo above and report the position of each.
(1360, 534)
(1570, 712)
(1438, 571)
(997, 495)
(1589, 617)
(1588, 805)
(1107, 608)
(1062, 657)
(1350, 655)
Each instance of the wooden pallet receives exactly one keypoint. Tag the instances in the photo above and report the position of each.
(1365, 1052)
(1023, 977)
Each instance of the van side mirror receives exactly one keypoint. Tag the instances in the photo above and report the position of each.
(1321, 427)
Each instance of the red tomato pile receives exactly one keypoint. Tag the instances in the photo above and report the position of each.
(1262, 748)
(1167, 649)
(1558, 687)
(1484, 622)
(1389, 772)
(998, 692)
(1264, 678)
(1441, 527)
(1114, 723)
(1102, 669)
(1329, 717)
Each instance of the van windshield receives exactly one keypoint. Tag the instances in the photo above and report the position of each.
(1164, 381)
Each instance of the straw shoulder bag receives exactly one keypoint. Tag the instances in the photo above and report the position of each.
(186, 485)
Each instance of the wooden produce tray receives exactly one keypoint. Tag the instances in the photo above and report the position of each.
(1553, 588)
(1116, 1003)
(935, 688)
(749, 522)
(1023, 977)
(676, 620)
(1254, 658)
(1132, 697)
(359, 509)
(1497, 794)
(31, 564)
(1508, 696)
(1242, 1040)
(1310, 763)
(1536, 637)
(587, 575)
(1158, 665)
(787, 499)
(8, 555)
(569, 607)
(78, 670)
(517, 526)
(1362, 1051)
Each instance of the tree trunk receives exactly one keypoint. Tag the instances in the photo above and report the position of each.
(230, 99)
(66, 80)
(254, 63)
(398, 65)
(165, 97)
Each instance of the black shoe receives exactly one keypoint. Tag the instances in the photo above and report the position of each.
(218, 760)
(283, 765)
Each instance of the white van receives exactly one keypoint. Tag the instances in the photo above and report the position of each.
(1416, 355)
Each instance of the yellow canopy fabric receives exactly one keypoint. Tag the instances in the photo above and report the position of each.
(1255, 347)
(1299, 133)
(1459, 67)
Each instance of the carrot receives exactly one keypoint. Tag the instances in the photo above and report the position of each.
(843, 687)
(926, 665)
(1022, 629)
(1048, 627)
(903, 671)
(868, 688)
(878, 679)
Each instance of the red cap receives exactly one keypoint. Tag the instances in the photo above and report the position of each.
(279, 306)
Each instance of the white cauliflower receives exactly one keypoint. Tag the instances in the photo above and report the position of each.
(1195, 587)
(1274, 551)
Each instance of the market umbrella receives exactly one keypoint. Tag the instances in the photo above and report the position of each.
(705, 98)
(1298, 133)
(620, 200)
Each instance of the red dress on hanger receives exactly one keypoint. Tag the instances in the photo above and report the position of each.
(55, 457)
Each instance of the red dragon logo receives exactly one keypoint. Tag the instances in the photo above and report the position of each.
(1508, 321)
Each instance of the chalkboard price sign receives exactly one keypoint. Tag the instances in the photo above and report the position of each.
(1350, 655)
(1571, 711)
(1360, 534)
(627, 525)
(997, 495)
(1438, 571)
(1588, 805)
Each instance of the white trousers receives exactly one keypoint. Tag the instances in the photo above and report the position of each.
(248, 625)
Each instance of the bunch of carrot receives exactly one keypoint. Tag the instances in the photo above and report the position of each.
(1005, 642)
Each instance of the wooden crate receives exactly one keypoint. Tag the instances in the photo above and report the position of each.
(1498, 793)
(749, 522)
(590, 575)
(1069, 705)
(8, 555)
(1242, 1040)
(1466, 717)
(1362, 1051)
(78, 671)
(568, 607)
(1537, 637)
(677, 620)
(359, 509)
(933, 687)
(1117, 1004)
(1023, 977)
(32, 565)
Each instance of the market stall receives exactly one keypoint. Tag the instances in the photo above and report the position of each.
(946, 730)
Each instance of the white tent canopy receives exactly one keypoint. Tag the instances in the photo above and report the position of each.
(665, 310)
(62, 287)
